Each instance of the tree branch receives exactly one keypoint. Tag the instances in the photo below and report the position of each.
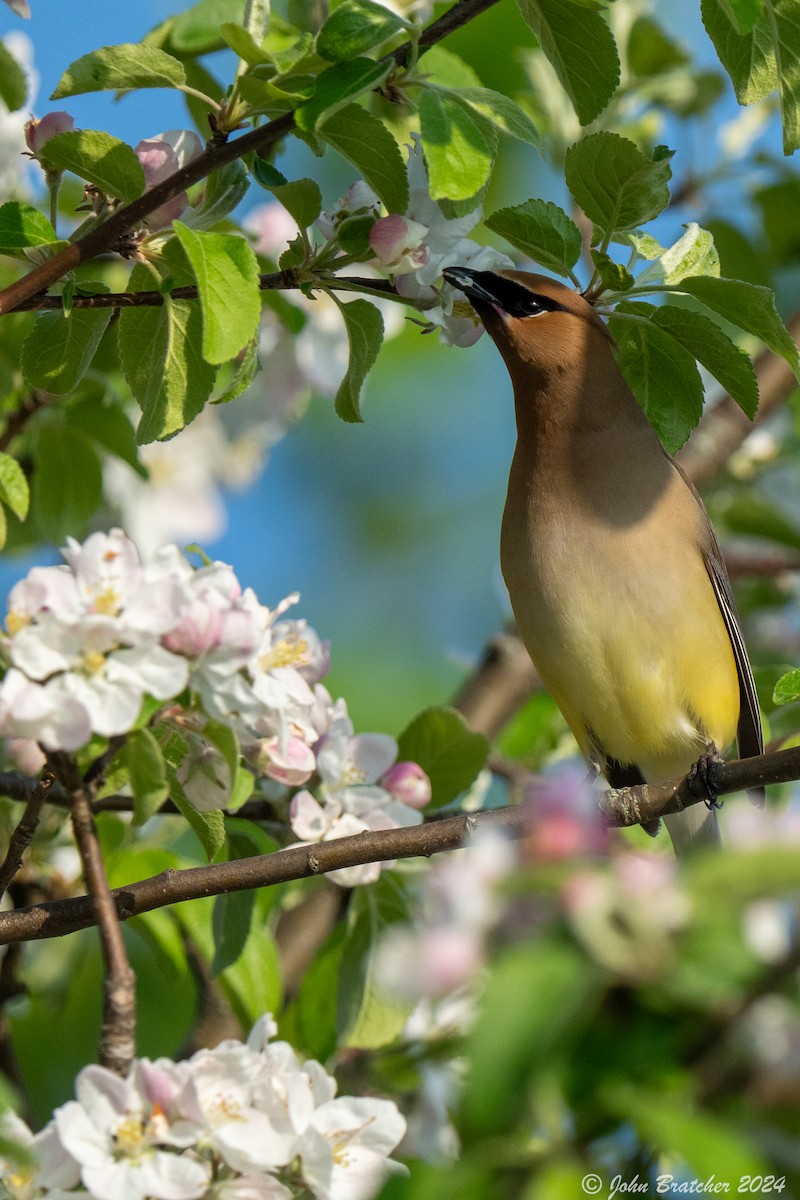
(217, 153)
(22, 836)
(622, 807)
(275, 281)
(118, 1037)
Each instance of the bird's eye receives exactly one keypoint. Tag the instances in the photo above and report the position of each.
(531, 307)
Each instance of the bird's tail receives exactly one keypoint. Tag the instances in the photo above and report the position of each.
(694, 829)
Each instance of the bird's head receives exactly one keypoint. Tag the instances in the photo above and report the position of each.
(534, 321)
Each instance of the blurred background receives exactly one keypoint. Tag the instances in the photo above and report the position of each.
(390, 529)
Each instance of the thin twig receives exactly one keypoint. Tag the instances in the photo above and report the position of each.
(118, 1037)
(275, 281)
(22, 836)
(218, 153)
(622, 807)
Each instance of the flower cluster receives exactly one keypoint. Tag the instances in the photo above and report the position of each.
(89, 640)
(244, 1121)
(415, 248)
(362, 787)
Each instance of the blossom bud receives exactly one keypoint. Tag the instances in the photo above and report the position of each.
(291, 765)
(398, 244)
(197, 632)
(408, 782)
(39, 132)
(162, 156)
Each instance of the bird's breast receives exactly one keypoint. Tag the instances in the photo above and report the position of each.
(616, 609)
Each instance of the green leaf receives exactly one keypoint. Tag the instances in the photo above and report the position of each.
(537, 996)
(301, 198)
(693, 254)
(14, 490)
(161, 352)
(338, 86)
(743, 14)
(224, 189)
(67, 483)
(541, 230)
(21, 226)
(644, 244)
(616, 185)
(58, 351)
(444, 67)
(352, 234)
(750, 514)
(226, 271)
(787, 689)
(226, 741)
(721, 357)
(246, 371)
(748, 58)
(103, 160)
(450, 753)
(501, 111)
(209, 826)
(253, 982)
(613, 277)
(459, 147)
(355, 27)
(243, 44)
(231, 923)
(148, 774)
(366, 1018)
(784, 25)
(120, 68)
(197, 31)
(581, 48)
(748, 307)
(366, 142)
(650, 51)
(13, 81)
(108, 425)
(364, 325)
(309, 1022)
(662, 375)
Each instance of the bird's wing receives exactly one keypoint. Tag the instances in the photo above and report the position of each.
(749, 734)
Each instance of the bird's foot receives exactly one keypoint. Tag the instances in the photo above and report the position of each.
(702, 775)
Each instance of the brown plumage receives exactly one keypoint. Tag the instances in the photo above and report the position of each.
(615, 576)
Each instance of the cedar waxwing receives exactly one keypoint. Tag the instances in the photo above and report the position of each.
(617, 583)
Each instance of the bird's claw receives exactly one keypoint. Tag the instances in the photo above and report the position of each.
(703, 772)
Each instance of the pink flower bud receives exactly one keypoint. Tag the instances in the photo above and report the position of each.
(38, 133)
(20, 7)
(197, 632)
(290, 765)
(161, 157)
(398, 244)
(408, 782)
(26, 755)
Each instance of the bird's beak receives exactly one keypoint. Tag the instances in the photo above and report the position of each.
(476, 285)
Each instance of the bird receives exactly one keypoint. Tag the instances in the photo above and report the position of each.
(617, 583)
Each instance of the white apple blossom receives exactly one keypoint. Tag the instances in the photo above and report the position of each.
(121, 1142)
(244, 1121)
(345, 1149)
